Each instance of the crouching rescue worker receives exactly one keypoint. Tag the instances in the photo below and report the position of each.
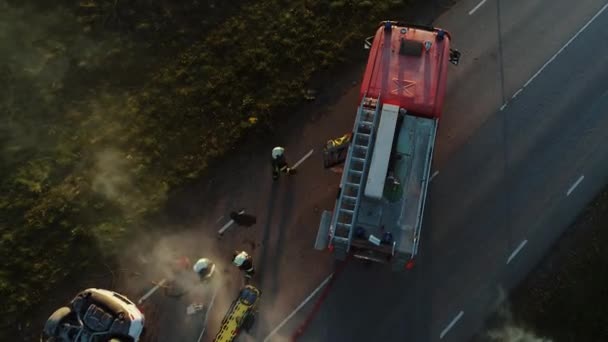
(244, 262)
(279, 163)
(204, 268)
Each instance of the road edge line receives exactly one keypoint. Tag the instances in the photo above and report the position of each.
(597, 14)
(300, 330)
(451, 325)
(299, 307)
(516, 251)
(577, 183)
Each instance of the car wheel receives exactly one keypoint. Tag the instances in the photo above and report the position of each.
(53, 323)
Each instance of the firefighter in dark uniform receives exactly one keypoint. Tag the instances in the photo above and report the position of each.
(244, 262)
(279, 164)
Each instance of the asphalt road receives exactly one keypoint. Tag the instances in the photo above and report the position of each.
(554, 134)
(477, 215)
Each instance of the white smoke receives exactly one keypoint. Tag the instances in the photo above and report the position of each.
(509, 329)
(112, 178)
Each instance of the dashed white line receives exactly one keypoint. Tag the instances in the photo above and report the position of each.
(477, 7)
(433, 175)
(313, 293)
(227, 225)
(517, 250)
(451, 325)
(503, 106)
(219, 219)
(302, 159)
(578, 181)
(200, 337)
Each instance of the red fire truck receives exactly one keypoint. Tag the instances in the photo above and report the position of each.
(380, 203)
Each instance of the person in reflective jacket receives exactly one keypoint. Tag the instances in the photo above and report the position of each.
(244, 262)
(204, 268)
(279, 163)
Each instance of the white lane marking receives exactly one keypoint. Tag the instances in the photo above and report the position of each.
(517, 93)
(302, 159)
(579, 180)
(433, 175)
(219, 219)
(200, 337)
(152, 290)
(228, 224)
(322, 285)
(566, 45)
(477, 7)
(557, 53)
(452, 323)
(517, 250)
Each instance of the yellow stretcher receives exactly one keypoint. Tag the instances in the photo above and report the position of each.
(241, 314)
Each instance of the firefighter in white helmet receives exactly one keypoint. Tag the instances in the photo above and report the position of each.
(279, 163)
(244, 262)
(204, 268)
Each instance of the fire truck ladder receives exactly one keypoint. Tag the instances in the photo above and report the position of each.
(355, 172)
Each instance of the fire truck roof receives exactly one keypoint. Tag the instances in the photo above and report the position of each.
(407, 67)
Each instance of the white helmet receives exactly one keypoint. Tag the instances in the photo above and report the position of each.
(277, 152)
(201, 264)
(240, 258)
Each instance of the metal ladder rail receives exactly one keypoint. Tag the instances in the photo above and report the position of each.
(350, 169)
(344, 180)
(370, 141)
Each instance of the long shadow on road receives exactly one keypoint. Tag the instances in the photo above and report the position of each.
(286, 211)
(266, 234)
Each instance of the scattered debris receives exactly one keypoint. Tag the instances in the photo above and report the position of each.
(194, 308)
(337, 169)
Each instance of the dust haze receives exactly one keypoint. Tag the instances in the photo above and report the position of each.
(59, 105)
(39, 52)
(112, 178)
(154, 257)
(509, 329)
